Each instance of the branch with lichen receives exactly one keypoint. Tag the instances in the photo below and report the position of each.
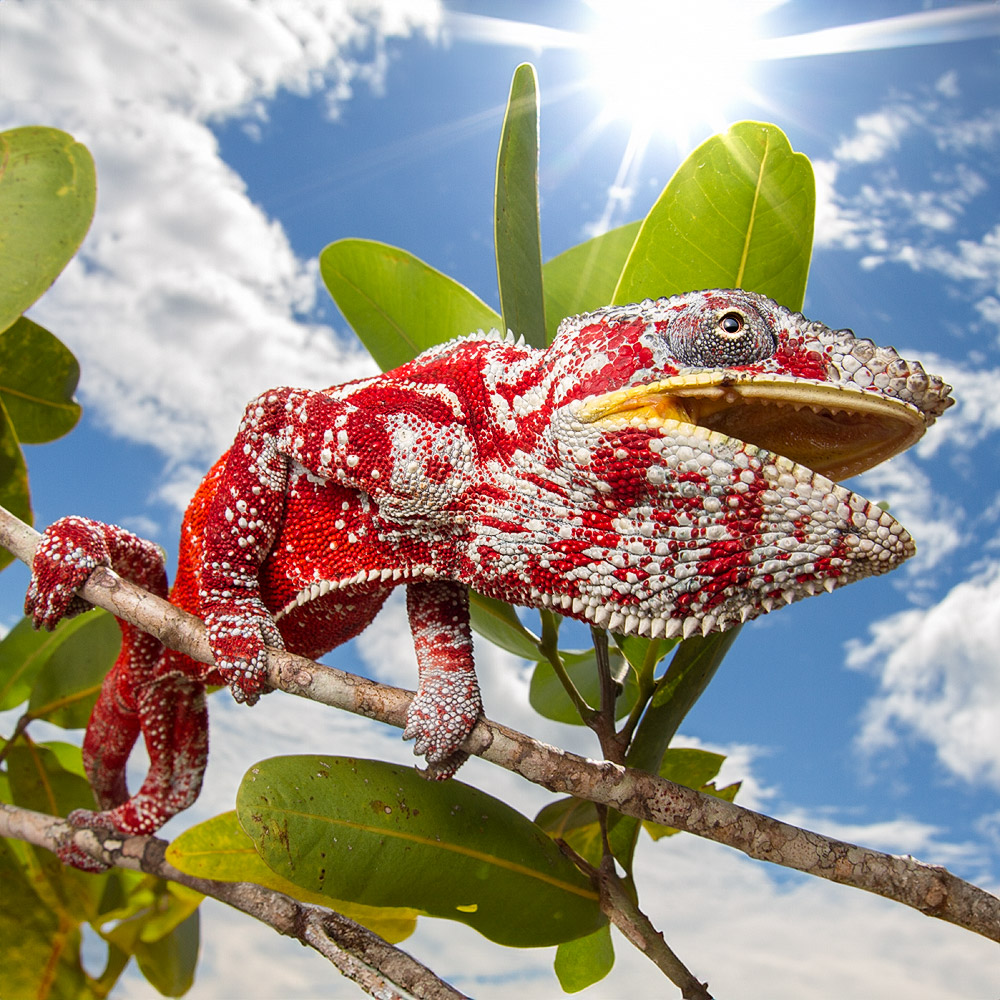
(930, 889)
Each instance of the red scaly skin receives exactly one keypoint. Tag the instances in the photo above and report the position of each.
(611, 477)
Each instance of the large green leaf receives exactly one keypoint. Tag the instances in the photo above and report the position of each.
(47, 194)
(219, 849)
(584, 277)
(737, 213)
(67, 685)
(397, 304)
(38, 376)
(515, 221)
(380, 834)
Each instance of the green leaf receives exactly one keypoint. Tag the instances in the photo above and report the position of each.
(498, 622)
(47, 194)
(737, 213)
(644, 654)
(382, 835)
(515, 220)
(38, 376)
(14, 493)
(584, 277)
(67, 685)
(585, 961)
(574, 821)
(169, 962)
(25, 650)
(692, 667)
(39, 781)
(41, 949)
(548, 697)
(397, 304)
(219, 849)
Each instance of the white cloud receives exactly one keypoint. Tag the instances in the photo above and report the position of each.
(866, 202)
(186, 299)
(938, 679)
(875, 135)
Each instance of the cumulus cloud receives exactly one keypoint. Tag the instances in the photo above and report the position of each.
(938, 679)
(186, 299)
(866, 202)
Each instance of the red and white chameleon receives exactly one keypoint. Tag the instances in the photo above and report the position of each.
(662, 469)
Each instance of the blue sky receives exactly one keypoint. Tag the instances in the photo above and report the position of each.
(234, 140)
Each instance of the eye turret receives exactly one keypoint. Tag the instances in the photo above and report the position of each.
(721, 337)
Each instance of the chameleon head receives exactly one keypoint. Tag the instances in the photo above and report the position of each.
(739, 363)
(693, 443)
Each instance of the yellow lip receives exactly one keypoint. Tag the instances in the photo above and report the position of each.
(835, 431)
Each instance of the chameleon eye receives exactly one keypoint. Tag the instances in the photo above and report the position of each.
(722, 329)
(731, 324)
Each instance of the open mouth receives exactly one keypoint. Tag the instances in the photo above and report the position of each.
(834, 430)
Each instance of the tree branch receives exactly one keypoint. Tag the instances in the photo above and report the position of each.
(378, 967)
(932, 890)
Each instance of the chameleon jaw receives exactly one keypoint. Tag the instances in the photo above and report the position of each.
(834, 430)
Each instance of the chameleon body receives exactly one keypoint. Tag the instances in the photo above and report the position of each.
(662, 469)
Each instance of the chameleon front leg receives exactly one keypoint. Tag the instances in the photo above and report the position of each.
(447, 703)
(145, 690)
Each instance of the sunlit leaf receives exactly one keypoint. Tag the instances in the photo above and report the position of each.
(397, 304)
(693, 665)
(380, 834)
(584, 277)
(219, 849)
(38, 377)
(585, 961)
(515, 220)
(47, 194)
(737, 213)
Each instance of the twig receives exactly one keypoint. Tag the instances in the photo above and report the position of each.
(378, 967)
(932, 890)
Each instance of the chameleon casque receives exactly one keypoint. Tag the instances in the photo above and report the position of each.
(662, 469)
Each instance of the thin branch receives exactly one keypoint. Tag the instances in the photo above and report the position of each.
(378, 967)
(625, 914)
(932, 890)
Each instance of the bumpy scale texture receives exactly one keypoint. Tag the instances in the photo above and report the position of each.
(611, 478)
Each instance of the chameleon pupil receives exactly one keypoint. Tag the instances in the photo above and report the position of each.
(731, 323)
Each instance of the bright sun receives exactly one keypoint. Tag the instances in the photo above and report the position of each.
(672, 66)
